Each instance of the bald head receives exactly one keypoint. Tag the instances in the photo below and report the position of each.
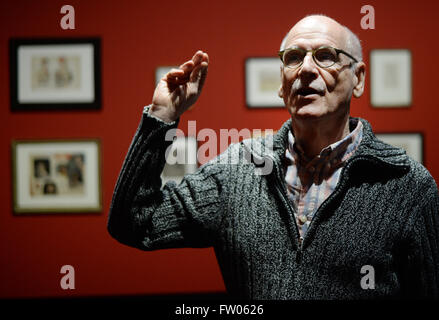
(320, 24)
(320, 88)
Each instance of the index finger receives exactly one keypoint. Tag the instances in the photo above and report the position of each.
(198, 57)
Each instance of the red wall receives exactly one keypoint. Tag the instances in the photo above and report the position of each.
(136, 37)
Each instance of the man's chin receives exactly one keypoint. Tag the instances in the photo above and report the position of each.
(309, 111)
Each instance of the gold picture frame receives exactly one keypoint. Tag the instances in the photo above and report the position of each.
(391, 78)
(262, 82)
(56, 176)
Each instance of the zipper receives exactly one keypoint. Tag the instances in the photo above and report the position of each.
(340, 185)
(287, 204)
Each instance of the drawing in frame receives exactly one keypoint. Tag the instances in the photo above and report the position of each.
(52, 176)
(411, 142)
(55, 73)
(262, 82)
(390, 78)
(181, 159)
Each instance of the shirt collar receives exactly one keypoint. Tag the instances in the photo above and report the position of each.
(333, 154)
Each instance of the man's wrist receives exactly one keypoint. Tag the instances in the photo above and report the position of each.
(149, 110)
(161, 113)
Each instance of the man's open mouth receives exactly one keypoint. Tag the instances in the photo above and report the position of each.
(306, 91)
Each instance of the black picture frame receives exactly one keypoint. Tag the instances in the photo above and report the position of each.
(93, 101)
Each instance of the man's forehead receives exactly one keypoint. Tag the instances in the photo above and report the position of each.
(317, 29)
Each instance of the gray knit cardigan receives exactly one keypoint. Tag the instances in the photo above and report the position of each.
(383, 213)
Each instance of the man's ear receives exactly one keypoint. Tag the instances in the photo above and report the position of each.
(280, 92)
(359, 79)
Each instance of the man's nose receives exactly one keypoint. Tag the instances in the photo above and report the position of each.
(308, 65)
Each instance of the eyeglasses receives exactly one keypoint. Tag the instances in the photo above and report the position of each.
(324, 57)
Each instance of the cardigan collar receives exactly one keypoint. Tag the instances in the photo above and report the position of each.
(370, 148)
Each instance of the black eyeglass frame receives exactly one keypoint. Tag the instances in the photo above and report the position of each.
(313, 51)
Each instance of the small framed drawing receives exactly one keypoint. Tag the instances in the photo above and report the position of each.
(56, 176)
(256, 133)
(50, 73)
(161, 71)
(181, 159)
(391, 78)
(412, 143)
(262, 82)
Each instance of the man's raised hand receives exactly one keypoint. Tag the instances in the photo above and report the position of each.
(180, 88)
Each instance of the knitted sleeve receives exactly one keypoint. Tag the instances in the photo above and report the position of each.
(148, 217)
(421, 279)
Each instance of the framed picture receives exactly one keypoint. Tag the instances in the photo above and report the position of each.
(181, 159)
(53, 73)
(262, 82)
(56, 176)
(161, 71)
(412, 143)
(263, 133)
(391, 78)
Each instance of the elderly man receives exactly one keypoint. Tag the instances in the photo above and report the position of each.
(341, 215)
